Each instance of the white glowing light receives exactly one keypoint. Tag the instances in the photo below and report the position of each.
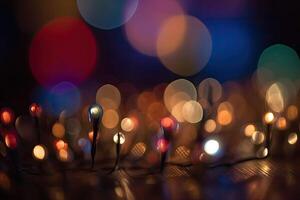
(122, 138)
(211, 147)
(95, 111)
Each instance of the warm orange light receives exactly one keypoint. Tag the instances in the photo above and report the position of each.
(127, 124)
(39, 152)
(60, 144)
(210, 126)
(6, 117)
(224, 117)
(58, 130)
(281, 123)
(162, 145)
(269, 118)
(167, 122)
(292, 112)
(249, 130)
(35, 110)
(91, 136)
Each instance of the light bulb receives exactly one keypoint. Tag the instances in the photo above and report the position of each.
(35, 110)
(95, 112)
(122, 138)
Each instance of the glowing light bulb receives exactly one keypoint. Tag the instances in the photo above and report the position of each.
(95, 112)
(167, 122)
(117, 136)
(269, 118)
(162, 145)
(35, 110)
(39, 152)
(127, 124)
(211, 147)
(6, 116)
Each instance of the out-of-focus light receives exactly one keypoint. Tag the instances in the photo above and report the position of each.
(162, 145)
(58, 130)
(282, 61)
(292, 112)
(35, 110)
(269, 118)
(281, 123)
(142, 29)
(224, 116)
(63, 50)
(127, 124)
(192, 111)
(110, 119)
(211, 147)
(258, 137)
(95, 112)
(11, 141)
(179, 91)
(292, 138)
(274, 98)
(64, 155)
(119, 138)
(249, 130)
(210, 126)
(167, 123)
(6, 116)
(60, 144)
(262, 152)
(109, 97)
(210, 89)
(39, 152)
(59, 99)
(5, 182)
(91, 136)
(186, 34)
(107, 14)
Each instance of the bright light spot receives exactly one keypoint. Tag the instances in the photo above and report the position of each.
(262, 152)
(95, 112)
(64, 155)
(210, 126)
(39, 152)
(292, 112)
(211, 147)
(192, 112)
(119, 138)
(162, 145)
(249, 130)
(91, 136)
(258, 137)
(35, 110)
(268, 118)
(224, 116)
(281, 123)
(127, 124)
(110, 119)
(6, 116)
(58, 130)
(60, 144)
(167, 122)
(274, 98)
(292, 139)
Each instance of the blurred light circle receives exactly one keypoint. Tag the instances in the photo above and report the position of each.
(33, 14)
(177, 111)
(269, 118)
(127, 124)
(60, 144)
(91, 136)
(193, 50)
(210, 89)
(262, 152)
(225, 114)
(211, 147)
(58, 130)
(275, 98)
(258, 137)
(63, 50)
(11, 140)
(249, 130)
(156, 111)
(292, 138)
(179, 91)
(192, 111)
(6, 116)
(108, 96)
(138, 150)
(110, 119)
(63, 97)
(39, 152)
(162, 145)
(65, 155)
(183, 152)
(282, 61)
(281, 123)
(210, 126)
(292, 112)
(119, 138)
(143, 28)
(107, 14)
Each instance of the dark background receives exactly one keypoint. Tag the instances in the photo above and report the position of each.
(269, 22)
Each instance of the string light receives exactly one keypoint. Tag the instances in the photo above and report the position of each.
(211, 147)
(119, 138)
(39, 152)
